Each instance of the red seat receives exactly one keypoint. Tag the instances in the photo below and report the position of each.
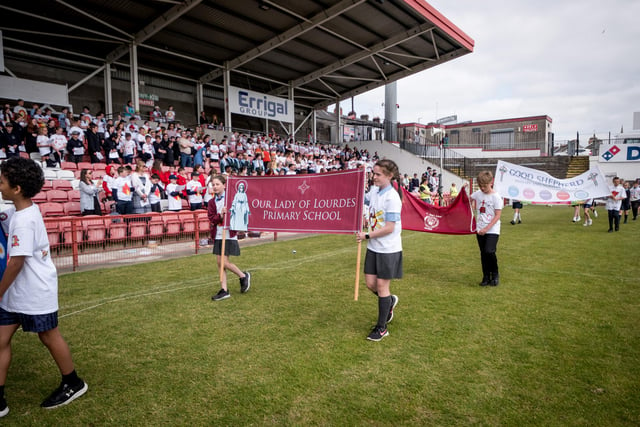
(171, 223)
(203, 222)
(53, 233)
(100, 168)
(188, 221)
(49, 209)
(137, 229)
(66, 226)
(85, 165)
(117, 230)
(185, 204)
(59, 196)
(71, 208)
(62, 184)
(94, 228)
(74, 195)
(68, 165)
(156, 226)
(41, 197)
(48, 184)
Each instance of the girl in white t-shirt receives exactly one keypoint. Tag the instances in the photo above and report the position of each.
(487, 205)
(383, 260)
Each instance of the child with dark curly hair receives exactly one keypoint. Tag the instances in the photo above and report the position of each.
(29, 286)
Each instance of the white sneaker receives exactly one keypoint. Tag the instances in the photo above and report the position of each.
(590, 221)
(595, 213)
(586, 224)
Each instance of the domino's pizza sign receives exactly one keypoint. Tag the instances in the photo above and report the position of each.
(620, 153)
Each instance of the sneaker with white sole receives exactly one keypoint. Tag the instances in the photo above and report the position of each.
(4, 408)
(64, 395)
(394, 302)
(222, 294)
(377, 334)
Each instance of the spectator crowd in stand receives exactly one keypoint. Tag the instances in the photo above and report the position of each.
(165, 148)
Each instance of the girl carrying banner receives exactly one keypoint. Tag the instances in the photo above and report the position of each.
(383, 260)
(216, 211)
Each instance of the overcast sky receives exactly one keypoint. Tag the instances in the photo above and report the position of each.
(576, 61)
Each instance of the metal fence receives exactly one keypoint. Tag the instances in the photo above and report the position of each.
(113, 240)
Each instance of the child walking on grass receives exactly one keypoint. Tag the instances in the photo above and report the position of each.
(29, 286)
(487, 205)
(216, 212)
(383, 260)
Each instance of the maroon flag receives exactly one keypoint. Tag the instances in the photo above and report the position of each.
(456, 218)
(310, 203)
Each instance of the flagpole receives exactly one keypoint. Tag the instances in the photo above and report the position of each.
(358, 257)
(224, 235)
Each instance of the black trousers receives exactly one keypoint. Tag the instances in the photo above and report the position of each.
(488, 244)
(614, 219)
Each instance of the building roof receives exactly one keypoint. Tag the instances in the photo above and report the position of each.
(325, 49)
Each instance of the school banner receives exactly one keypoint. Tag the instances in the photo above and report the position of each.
(457, 218)
(531, 185)
(311, 203)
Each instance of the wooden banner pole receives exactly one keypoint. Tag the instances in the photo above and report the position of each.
(224, 235)
(355, 294)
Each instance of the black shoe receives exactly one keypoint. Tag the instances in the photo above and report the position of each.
(617, 228)
(222, 294)
(610, 230)
(394, 302)
(513, 223)
(4, 408)
(519, 221)
(495, 279)
(377, 334)
(65, 394)
(245, 282)
(485, 280)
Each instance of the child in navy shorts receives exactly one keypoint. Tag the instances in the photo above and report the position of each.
(29, 286)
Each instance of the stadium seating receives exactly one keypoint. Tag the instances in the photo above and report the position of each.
(66, 174)
(41, 197)
(137, 228)
(171, 223)
(49, 209)
(188, 221)
(62, 184)
(73, 195)
(94, 229)
(68, 165)
(71, 208)
(85, 165)
(59, 196)
(48, 185)
(50, 174)
(53, 233)
(156, 226)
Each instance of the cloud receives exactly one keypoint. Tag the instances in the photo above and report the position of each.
(575, 61)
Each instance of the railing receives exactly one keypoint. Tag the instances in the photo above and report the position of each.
(121, 239)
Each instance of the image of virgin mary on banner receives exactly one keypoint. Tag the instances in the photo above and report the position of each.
(309, 203)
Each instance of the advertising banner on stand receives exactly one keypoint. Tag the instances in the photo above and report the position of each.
(260, 105)
(310, 203)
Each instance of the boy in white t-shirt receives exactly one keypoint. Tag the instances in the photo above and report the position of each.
(487, 205)
(29, 286)
(173, 194)
(194, 191)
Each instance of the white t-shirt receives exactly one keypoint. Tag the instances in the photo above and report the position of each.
(175, 202)
(44, 145)
(195, 186)
(35, 289)
(124, 187)
(385, 205)
(619, 191)
(486, 207)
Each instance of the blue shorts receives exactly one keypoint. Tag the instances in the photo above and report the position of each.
(30, 322)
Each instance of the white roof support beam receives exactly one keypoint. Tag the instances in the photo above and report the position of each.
(290, 34)
(358, 56)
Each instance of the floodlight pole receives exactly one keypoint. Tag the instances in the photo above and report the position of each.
(440, 175)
